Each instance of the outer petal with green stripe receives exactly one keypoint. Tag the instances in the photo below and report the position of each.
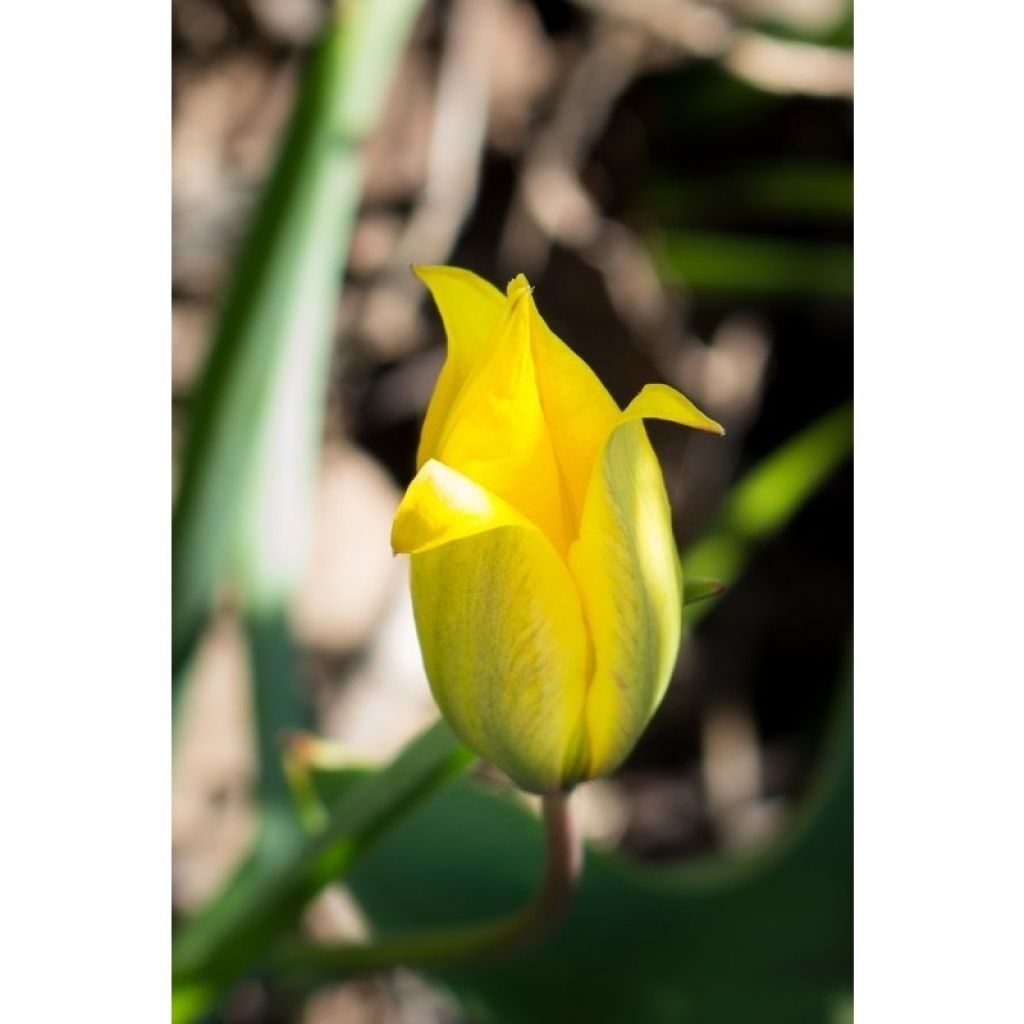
(545, 579)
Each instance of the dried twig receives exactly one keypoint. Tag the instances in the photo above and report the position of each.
(551, 203)
(787, 66)
(697, 29)
(775, 65)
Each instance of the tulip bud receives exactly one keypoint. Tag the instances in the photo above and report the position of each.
(545, 579)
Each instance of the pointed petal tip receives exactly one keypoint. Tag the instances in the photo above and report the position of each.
(704, 423)
(518, 286)
(663, 402)
(396, 547)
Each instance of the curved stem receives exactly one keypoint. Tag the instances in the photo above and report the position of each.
(564, 852)
(466, 943)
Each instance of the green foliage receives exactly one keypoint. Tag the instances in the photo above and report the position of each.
(695, 590)
(707, 261)
(768, 496)
(267, 366)
(248, 466)
(763, 937)
(264, 900)
(792, 192)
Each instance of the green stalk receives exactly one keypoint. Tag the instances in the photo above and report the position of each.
(464, 944)
(234, 933)
(248, 470)
(267, 365)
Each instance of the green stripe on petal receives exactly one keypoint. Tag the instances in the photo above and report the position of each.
(627, 572)
(504, 647)
(500, 626)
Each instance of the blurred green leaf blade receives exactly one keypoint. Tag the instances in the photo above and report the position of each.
(768, 496)
(263, 901)
(779, 192)
(700, 589)
(714, 262)
(273, 334)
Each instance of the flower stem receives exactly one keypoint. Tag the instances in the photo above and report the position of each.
(466, 943)
(564, 858)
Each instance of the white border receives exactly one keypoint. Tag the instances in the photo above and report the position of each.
(85, 532)
(939, 513)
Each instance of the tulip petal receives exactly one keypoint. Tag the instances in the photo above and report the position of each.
(441, 505)
(627, 571)
(500, 627)
(579, 410)
(660, 402)
(496, 433)
(470, 309)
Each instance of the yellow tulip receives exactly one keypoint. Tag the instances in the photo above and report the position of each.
(545, 579)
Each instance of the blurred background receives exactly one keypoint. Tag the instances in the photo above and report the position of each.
(674, 177)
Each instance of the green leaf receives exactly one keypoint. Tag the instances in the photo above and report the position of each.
(695, 590)
(796, 192)
(767, 497)
(265, 899)
(763, 937)
(269, 355)
(706, 261)
(251, 451)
